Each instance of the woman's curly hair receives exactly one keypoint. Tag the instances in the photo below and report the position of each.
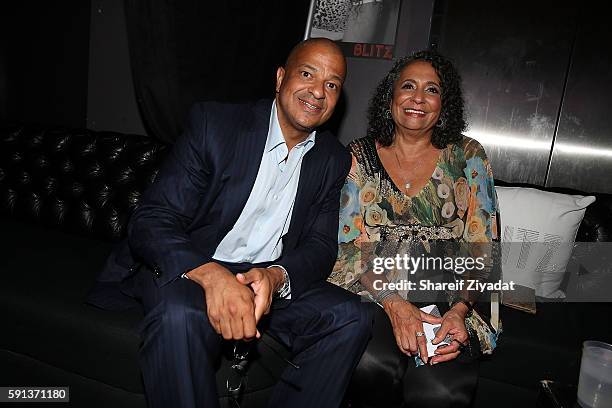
(452, 117)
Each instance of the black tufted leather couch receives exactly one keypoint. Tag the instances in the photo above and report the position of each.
(65, 197)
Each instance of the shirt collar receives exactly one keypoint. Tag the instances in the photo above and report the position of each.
(275, 134)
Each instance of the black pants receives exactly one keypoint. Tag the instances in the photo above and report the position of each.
(385, 377)
(326, 329)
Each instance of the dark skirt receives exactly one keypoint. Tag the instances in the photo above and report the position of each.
(385, 377)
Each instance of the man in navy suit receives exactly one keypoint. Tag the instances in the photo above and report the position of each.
(242, 222)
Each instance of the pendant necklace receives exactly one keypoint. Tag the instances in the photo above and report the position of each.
(407, 184)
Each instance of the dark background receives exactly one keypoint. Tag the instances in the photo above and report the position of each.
(44, 49)
(187, 51)
(537, 75)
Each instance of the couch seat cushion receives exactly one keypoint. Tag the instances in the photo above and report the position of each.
(46, 277)
(546, 345)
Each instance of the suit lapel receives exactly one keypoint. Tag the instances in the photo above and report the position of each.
(311, 174)
(242, 172)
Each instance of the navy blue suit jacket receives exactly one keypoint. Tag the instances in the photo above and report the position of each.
(203, 186)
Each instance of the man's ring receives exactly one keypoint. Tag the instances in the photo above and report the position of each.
(419, 334)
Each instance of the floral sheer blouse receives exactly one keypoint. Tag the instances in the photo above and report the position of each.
(458, 203)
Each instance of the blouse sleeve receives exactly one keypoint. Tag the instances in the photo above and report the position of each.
(482, 236)
(351, 232)
(481, 222)
(482, 211)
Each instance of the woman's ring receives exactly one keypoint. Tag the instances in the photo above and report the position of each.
(419, 334)
(461, 345)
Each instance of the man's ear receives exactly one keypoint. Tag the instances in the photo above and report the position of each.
(280, 74)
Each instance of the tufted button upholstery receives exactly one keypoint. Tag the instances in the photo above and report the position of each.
(157, 272)
(78, 180)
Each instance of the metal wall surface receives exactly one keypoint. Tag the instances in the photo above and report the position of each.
(513, 58)
(582, 153)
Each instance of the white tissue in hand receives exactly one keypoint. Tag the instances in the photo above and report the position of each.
(431, 330)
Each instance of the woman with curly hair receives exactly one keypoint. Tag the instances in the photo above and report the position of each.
(416, 182)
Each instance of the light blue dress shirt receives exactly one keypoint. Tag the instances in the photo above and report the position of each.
(257, 235)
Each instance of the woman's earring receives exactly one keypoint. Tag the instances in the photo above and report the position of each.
(441, 123)
(387, 114)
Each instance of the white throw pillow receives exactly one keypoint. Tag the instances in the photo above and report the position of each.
(538, 229)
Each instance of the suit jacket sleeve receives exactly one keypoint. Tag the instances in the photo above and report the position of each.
(157, 232)
(313, 258)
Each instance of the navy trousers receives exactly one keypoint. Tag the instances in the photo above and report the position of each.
(326, 329)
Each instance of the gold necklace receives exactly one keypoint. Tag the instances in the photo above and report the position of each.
(407, 183)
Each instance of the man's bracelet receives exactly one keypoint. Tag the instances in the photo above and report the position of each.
(283, 291)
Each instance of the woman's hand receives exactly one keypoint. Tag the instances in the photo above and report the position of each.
(453, 323)
(407, 320)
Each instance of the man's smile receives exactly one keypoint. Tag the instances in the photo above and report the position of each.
(310, 106)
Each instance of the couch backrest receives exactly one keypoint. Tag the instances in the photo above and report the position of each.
(596, 225)
(89, 182)
(79, 181)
